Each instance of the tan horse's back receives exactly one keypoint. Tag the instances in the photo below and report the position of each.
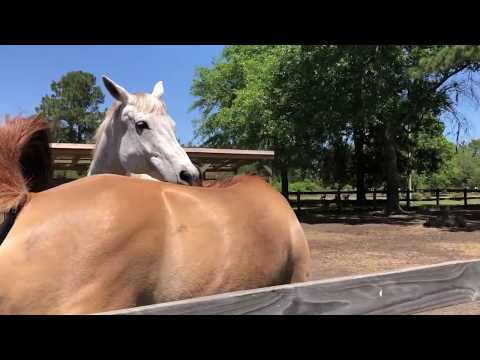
(108, 242)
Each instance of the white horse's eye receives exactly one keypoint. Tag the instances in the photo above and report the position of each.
(140, 126)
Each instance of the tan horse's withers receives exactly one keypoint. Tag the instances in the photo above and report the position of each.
(108, 242)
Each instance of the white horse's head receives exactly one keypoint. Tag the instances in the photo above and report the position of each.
(138, 136)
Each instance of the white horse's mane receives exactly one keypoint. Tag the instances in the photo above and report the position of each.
(141, 101)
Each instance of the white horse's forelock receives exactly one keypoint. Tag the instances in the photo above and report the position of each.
(143, 103)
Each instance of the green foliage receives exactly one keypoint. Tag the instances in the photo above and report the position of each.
(305, 185)
(244, 101)
(443, 58)
(73, 107)
(458, 169)
(466, 169)
(474, 148)
(334, 110)
(431, 151)
(301, 185)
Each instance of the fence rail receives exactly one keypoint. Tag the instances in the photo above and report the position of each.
(300, 199)
(406, 291)
(341, 197)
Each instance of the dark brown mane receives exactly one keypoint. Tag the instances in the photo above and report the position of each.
(229, 181)
(25, 159)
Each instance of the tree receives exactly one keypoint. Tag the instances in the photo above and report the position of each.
(236, 98)
(342, 112)
(465, 166)
(364, 96)
(443, 58)
(272, 97)
(414, 102)
(446, 62)
(73, 108)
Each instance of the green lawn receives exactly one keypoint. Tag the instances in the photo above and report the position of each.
(429, 200)
(475, 201)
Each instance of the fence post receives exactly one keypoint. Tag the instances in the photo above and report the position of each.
(298, 201)
(437, 195)
(374, 198)
(465, 197)
(408, 198)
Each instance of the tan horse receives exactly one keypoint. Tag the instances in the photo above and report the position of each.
(108, 242)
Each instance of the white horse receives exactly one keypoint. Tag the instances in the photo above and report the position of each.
(138, 138)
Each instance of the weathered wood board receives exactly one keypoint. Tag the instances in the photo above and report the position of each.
(400, 292)
(469, 308)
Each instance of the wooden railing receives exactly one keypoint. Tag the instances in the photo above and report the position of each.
(375, 197)
(406, 291)
(306, 199)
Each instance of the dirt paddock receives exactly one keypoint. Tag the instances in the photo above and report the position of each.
(352, 244)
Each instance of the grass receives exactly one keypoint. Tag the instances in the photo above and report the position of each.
(427, 202)
(445, 202)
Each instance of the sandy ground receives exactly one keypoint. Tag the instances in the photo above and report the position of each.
(343, 246)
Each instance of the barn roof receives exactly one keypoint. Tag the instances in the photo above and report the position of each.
(78, 157)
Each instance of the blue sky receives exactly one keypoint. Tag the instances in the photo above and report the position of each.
(26, 73)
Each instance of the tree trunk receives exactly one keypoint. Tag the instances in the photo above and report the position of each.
(79, 134)
(359, 142)
(284, 177)
(359, 137)
(391, 169)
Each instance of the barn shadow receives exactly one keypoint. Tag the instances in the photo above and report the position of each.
(425, 217)
(356, 218)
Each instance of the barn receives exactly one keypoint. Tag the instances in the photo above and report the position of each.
(72, 161)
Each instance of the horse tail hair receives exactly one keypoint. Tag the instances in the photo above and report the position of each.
(25, 160)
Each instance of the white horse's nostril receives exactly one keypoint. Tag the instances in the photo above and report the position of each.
(186, 176)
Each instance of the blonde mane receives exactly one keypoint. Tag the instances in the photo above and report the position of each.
(141, 101)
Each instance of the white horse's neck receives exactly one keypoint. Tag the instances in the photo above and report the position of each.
(106, 157)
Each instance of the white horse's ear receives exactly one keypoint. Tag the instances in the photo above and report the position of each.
(116, 90)
(158, 90)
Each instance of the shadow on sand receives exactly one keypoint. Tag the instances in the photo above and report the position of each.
(426, 217)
